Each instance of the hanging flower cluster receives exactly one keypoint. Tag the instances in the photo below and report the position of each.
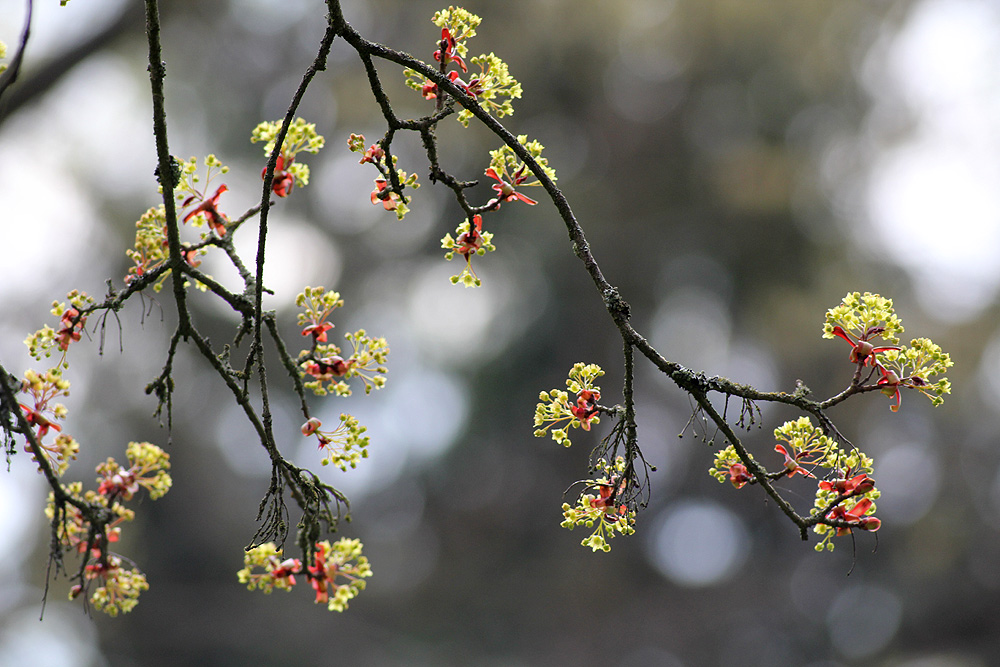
(603, 508)
(345, 445)
(117, 588)
(85, 523)
(556, 410)
(337, 573)
(469, 240)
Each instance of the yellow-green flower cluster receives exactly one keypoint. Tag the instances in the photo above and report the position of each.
(149, 250)
(724, 459)
(556, 409)
(318, 304)
(347, 444)
(121, 589)
(451, 244)
(858, 313)
(49, 384)
(595, 510)
(491, 86)
(806, 439)
(406, 181)
(188, 185)
(460, 22)
(150, 465)
(504, 161)
(301, 137)
(369, 357)
(916, 363)
(343, 560)
(367, 361)
(268, 557)
(41, 342)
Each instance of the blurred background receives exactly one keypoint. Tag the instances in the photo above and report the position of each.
(738, 168)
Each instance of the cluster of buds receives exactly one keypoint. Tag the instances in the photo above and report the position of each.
(119, 588)
(150, 249)
(556, 410)
(326, 365)
(330, 369)
(910, 367)
(804, 445)
(148, 466)
(602, 508)
(337, 573)
(277, 572)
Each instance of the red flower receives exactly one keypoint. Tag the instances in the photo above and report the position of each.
(190, 256)
(505, 191)
(320, 574)
(862, 351)
(388, 200)
(606, 502)
(891, 382)
(38, 419)
(586, 407)
(318, 331)
(448, 51)
(72, 326)
(739, 475)
(121, 484)
(374, 154)
(217, 221)
(472, 240)
(429, 90)
(330, 367)
(283, 179)
(855, 516)
(856, 485)
(287, 570)
(791, 462)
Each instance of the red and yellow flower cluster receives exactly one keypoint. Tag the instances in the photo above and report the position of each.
(337, 573)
